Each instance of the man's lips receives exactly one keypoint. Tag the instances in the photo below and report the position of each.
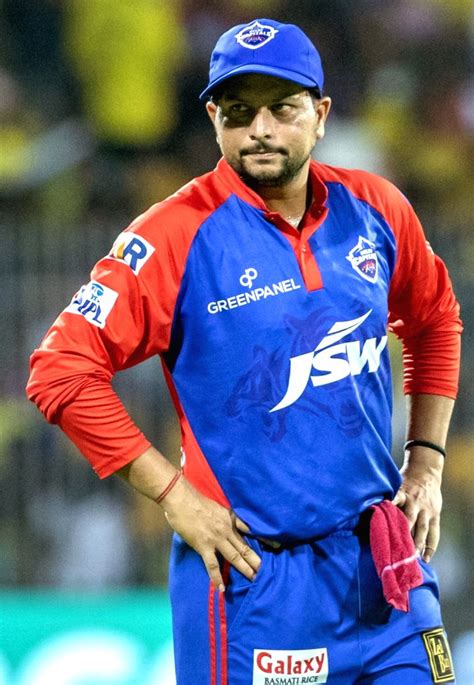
(261, 153)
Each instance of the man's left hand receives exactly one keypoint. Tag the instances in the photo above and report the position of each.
(419, 497)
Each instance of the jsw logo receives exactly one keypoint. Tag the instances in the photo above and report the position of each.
(326, 359)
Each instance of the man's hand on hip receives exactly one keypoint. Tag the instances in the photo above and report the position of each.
(210, 529)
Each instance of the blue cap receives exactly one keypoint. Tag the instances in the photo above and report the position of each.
(267, 47)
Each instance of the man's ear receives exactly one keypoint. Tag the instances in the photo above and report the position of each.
(322, 107)
(211, 109)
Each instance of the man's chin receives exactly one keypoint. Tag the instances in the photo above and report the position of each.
(266, 175)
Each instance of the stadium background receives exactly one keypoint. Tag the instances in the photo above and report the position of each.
(99, 118)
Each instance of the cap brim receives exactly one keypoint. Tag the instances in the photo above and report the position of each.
(260, 69)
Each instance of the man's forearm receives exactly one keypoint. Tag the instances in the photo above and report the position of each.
(149, 474)
(429, 417)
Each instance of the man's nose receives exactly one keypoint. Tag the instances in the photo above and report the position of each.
(262, 124)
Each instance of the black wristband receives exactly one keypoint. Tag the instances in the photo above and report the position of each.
(424, 443)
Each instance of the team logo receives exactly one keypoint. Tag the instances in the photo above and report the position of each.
(255, 35)
(437, 648)
(363, 259)
(296, 666)
(133, 250)
(325, 364)
(94, 302)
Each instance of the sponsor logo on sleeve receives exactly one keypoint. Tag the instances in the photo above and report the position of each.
(255, 35)
(133, 250)
(94, 302)
(363, 259)
(439, 655)
(290, 667)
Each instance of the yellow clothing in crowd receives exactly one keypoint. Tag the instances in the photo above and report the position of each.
(126, 55)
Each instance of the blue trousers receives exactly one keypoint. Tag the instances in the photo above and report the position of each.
(314, 614)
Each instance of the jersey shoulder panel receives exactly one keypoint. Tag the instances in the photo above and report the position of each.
(375, 190)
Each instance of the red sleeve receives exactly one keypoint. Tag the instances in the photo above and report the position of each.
(423, 310)
(120, 318)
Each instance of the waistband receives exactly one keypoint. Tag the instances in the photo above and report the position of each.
(358, 525)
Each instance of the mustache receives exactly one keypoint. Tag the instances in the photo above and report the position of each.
(261, 148)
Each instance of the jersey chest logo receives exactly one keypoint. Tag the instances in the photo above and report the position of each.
(333, 360)
(363, 259)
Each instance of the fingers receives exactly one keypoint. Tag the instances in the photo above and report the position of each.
(400, 499)
(238, 554)
(411, 511)
(233, 548)
(247, 554)
(240, 559)
(432, 541)
(420, 531)
(424, 524)
(426, 536)
(425, 529)
(214, 570)
(245, 550)
(239, 524)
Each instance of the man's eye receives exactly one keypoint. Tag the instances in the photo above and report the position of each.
(239, 108)
(281, 107)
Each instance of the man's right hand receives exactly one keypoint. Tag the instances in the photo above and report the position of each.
(205, 525)
(210, 529)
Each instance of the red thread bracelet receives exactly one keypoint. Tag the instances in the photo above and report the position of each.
(169, 487)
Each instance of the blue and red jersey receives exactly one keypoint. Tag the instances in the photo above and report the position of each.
(273, 341)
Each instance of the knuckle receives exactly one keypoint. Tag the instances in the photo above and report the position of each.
(219, 528)
(234, 558)
(212, 564)
(246, 552)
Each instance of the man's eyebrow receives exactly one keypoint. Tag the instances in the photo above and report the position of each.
(231, 96)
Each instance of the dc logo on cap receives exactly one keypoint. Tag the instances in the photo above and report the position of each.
(255, 35)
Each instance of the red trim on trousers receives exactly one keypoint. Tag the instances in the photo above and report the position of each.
(222, 627)
(212, 635)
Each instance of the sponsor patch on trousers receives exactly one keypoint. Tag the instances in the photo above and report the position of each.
(290, 667)
(94, 302)
(439, 655)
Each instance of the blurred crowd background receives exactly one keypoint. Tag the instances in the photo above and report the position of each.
(99, 118)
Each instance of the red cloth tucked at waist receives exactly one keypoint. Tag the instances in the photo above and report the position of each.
(394, 554)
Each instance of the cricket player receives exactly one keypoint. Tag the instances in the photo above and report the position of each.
(267, 287)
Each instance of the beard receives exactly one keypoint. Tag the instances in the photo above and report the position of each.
(265, 175)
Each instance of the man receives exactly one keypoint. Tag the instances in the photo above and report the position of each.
(266, 287)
